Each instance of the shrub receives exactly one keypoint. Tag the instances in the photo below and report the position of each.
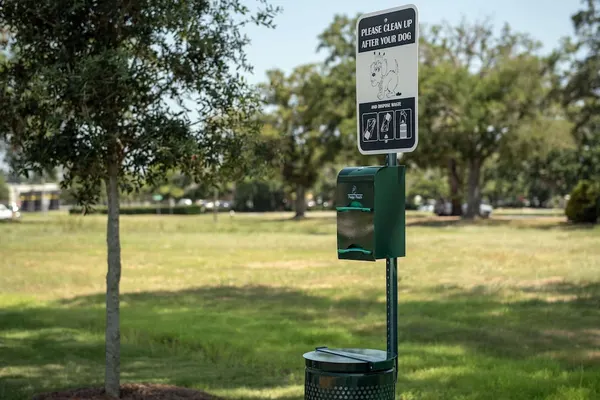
(259, 196)
(410, 206)
(584, 203)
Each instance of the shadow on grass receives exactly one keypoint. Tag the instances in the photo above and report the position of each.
(247, 339)
(534, 222)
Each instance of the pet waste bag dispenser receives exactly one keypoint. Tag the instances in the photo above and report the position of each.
(370, 213)
(370, 226)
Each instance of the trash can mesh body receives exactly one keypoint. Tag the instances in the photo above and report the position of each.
(349, 374)
(322, 386)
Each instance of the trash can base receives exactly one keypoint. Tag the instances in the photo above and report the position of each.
(373, 392)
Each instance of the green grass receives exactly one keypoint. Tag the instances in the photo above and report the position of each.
(530, 212)
(499, 309)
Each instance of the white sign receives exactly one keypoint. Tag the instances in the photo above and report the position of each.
(387, 81)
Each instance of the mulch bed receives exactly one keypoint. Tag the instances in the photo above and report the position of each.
(130, 392)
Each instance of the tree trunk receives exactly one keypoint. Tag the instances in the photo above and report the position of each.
(455, 184)
(474, 189)
(300, 201)
(113, 278)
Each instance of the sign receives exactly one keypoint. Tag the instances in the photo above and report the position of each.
(354, 195)
(387, 83)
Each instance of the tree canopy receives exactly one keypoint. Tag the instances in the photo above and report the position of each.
(305, 137)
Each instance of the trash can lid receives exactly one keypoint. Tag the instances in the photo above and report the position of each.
(348, 360)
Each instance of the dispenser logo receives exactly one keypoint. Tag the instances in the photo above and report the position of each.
(354, 195)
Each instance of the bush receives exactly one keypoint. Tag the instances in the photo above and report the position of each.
(258, 196)
(584, 203)
(410, 206)
(176, 210)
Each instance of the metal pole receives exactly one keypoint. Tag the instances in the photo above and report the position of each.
(391, 280)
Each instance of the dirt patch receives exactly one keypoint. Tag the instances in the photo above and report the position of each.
(130, 392)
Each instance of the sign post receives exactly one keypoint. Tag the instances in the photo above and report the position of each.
(370, 201)
(391, 294)
(387, 96)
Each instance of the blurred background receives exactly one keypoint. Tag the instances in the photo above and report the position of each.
(527, 147)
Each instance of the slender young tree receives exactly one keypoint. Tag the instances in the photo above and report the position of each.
(122, 91)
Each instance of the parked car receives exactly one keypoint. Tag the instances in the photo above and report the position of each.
(10, 213)
(426, 208)
(442, 208)
(221, 205)
(445, 209)
(185, 202)
(485, 210)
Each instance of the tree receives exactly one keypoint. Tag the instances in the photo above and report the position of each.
(306, 141)
(579, 86)
(105, 90)
(338, 40)
(477, 90)
(578, 89)
(429, 184)
(539, 163)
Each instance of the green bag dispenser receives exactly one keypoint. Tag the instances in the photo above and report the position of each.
(371, 222)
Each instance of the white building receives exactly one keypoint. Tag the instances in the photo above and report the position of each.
(34, 197)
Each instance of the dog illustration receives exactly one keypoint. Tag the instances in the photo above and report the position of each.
(384, 78)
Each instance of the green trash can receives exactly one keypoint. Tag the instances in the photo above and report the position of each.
(349, 374)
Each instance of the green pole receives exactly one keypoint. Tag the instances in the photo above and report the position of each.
(391, 278)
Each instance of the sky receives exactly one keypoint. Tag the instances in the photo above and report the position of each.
(294, 40)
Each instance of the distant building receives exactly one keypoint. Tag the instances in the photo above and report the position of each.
(35, 197)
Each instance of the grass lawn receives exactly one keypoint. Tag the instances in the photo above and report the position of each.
(530, 212)
(504, 309)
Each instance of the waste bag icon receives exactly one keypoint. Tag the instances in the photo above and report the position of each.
(386, 122)
(370, 128)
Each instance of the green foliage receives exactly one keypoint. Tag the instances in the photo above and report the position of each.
(540, 163)
(578, 87)
(477, 89)
(429, 184)
(171, 191)
(304, 139)
(581, 93)
(106, 84)
(108, 91)
(584, 203)
(338, 40)
(260, 196)
(159, 209)
(327, 183)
